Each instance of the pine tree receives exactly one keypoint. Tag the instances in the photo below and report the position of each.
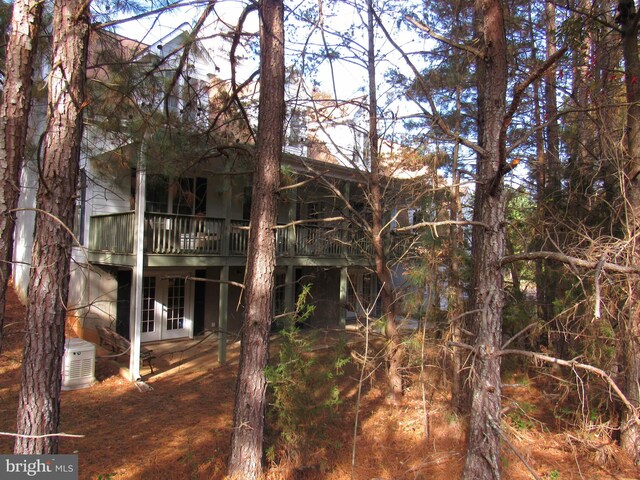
(14, 119)
(250, 401)
(39, 398)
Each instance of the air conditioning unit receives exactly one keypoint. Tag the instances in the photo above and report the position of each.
(78, 364)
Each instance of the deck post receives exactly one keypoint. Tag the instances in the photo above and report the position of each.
(344, 234)
(344, 285)
(135, 316)
(223, 312)
(289, 290)
(225, 235)
(291, 217)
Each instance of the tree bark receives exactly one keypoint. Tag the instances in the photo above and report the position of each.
(459, 392)
(459, 399)
(14, 120)
(628, 19)
(248, 417)
(579, 166)
(547, 282)
(39, 399)
(394, 342)
(483, 448)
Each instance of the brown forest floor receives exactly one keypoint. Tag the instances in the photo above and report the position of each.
(180, 429)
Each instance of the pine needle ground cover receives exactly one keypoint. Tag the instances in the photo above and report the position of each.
(181, 428)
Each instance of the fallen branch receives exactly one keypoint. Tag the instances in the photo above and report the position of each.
(574, 261)
(45, 435)
(566, 363)
(515, 450)
(573, 365)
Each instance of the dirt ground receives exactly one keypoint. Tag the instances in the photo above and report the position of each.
(180, 428)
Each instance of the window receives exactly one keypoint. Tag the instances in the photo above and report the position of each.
(157, 193)
(175, 304)
(78, 223)
(363, 289)
(149, 305)
(246, 203)
(184, 196)
(279, 293)
(314, 211)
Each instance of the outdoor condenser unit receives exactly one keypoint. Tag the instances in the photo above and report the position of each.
(78, 364)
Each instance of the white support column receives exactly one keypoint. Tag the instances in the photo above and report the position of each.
(223, 312)
(227, 198)
(289, 290)
(344, 286)
(223, 300)
(292, 196)
(135, 316)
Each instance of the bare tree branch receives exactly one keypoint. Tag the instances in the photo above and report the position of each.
(437, 36)
(434, 116)
(207, 280)
(157, 11)
(300, 184)
(313, 220)
(439, 224)
(565, 363)
(233, 60)
(185, 54)
(572, 261)
(582, 366)
(518, 93)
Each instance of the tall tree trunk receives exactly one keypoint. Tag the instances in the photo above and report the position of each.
(14, 120)
(459, 393)
(459, 399)
(483, 448)
(628, 19)
(387, 295)
(554, 171)
(245, 462)
(580, 167)
(39, 400)
(540, 176)
(547, 282)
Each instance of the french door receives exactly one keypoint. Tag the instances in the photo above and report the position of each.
(167, 308)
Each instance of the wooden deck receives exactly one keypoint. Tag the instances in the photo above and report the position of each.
(183, 235)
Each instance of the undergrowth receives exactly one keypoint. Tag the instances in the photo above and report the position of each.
(304, 393)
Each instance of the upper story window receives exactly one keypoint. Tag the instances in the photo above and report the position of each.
(183, 196)
(189, 196)
(157, 194)
(247, 198)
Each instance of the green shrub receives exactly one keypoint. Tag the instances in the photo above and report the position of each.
(304, 393)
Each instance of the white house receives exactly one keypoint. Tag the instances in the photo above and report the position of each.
(163, 205)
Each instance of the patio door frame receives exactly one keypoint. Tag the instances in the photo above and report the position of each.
(159, 305)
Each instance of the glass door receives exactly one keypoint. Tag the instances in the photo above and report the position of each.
(175, 321)
(151, 311)
(167, 306)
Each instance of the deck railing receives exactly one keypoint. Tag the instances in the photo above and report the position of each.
(182, 234)
(112, 233)
(188, 235)
(239, 237)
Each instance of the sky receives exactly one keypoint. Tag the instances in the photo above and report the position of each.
(349, 73)
(350, 78)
